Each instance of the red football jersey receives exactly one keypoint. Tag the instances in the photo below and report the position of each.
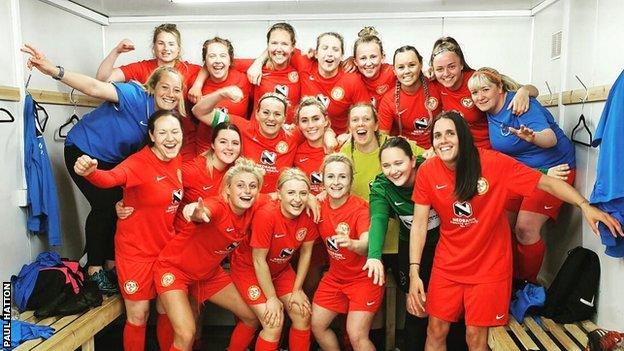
(345, 265)
(141, 70)
(270, 154)
(337, 93)
(281, 235)
(412, 112)
(285, 82)
(309, 159)
(460, 100)
(383, 83)
(475, 239)
(199, 250)
(154, 188)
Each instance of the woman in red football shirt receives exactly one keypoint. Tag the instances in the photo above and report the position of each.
(451, 72)
(409, 109)
(345, 288)
(261, 267)
(152, 185)
(472, 267)
(368, 56)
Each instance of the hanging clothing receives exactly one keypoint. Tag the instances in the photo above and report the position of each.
(42, 198)
(608, 193)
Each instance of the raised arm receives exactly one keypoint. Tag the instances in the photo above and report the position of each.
(107, 72)
(204, 110)
(85, 84)
(195, 92)
(520, 102)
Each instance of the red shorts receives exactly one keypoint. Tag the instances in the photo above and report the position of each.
(540, 202)
(483, 305)
(136, 279)
(167, 278)
(342, 297)
(247, 284)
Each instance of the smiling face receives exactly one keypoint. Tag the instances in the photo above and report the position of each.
(407, 68)
(368, 59)
(168, 92)
(328, 55)
(293, 195)
(445, 141)
(280, 48)
(218, 61)
(166, 48)
(271, 116)
(242, 191)
(337, 180)
(398, 167)
(227, 147)
(489, 98)
(166, 137)
(312, 123)
(447, 69)
(362, 125)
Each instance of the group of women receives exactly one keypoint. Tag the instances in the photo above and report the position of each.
(249, 172)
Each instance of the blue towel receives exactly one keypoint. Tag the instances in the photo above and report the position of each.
(23, 331)
(531, 295)
(614, 245)
(24, 282)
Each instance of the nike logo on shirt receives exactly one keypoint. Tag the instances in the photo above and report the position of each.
(143, 123)
(498, 317)
(208, 187)
(302, 160)
(159, 178)
(548, 207)
(402, 111)
(277, 236)
(588, 303)
(370, 303)
(229, 230)
(440, 186)
(398, 203)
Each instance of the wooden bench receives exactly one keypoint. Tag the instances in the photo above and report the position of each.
(531, 336)
(72, 332)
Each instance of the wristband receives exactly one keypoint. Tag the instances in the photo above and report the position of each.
(61, 73)
(414, 263)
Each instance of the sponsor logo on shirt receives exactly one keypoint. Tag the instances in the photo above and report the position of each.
(176, 196)
(301, 234)
(323, 100)
(167, 279)
(332, 245)
(316, 177)
(432, 103)
(254, 292)
(286, 252)
(268, 158)
(131, 286)
(283, 89)
(337, 93)
(421, 123)
(282, 147)
(293, 77)
(463, 211)
(228, 249)
(482, 186)
(467, 102)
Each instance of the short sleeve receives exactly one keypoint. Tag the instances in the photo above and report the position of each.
(421, 189)
(360, 93)
(362, 221)
(301, 62)
(262, 229)
(386, 112)
(313, 232)
(536, 117)
(521, 179)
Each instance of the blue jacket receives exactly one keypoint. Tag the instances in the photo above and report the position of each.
(24, 282)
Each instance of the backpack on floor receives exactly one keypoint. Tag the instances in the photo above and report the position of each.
(572, 295)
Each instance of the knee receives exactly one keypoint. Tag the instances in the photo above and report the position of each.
(138, 317)
(437, 331)
(299, 320)
(475, 339)
(272, 331)
(526, 233)
(185, 335)
(318, 326)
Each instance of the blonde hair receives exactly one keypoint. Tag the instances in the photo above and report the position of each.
(366, 35)
(489, 76)
(156, 76)
(445, 44)
(311, 101)
(243, 165)
(338, 157)
(292, 174)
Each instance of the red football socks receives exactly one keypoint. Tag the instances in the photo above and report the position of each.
(299, 339)
(164, 331)
(134, 337)
(242, 335)
(263, 345)
(529, 260)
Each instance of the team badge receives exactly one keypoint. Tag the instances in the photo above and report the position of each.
(343, 228)
(282, 147)
(381, 89)
(268, 158)
(131, 286)
(176, 196)
(467, 102)
(323, 100)
(316, 177)
(337, 93)
(301, 234)
(332, 245)
(287, 252)
(167, 279)
(462, 209)
(283, 89)
(431, 103)
(253, 292)
(482, 186)
(293, 77)
(421, 123)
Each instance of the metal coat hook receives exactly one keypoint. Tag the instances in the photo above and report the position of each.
(71, 99)
(28, 82)
(549, 92)
(11, 118)
(584, 98)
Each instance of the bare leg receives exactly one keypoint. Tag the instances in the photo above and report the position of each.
(476, 338)
(178, 308)
(321, 319)
(358, 326)
(436, 334)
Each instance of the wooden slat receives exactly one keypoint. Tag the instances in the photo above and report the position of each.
(391, 297)
(577, 333)
(53, 322)
(9, 93)
(499, 340)
(589, 326)
(548, 100)
(58, 98)
(27, 316)
(84, 327)
(522, 335)
(597, 93)
(560, 334)
(89, 345)
(540, 335)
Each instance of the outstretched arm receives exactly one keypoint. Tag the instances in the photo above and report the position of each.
(107, 72)
(204, 110)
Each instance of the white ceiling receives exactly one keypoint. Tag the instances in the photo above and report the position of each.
(117, 8)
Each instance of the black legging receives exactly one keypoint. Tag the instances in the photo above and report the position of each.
(415, 329)
(102, 220)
